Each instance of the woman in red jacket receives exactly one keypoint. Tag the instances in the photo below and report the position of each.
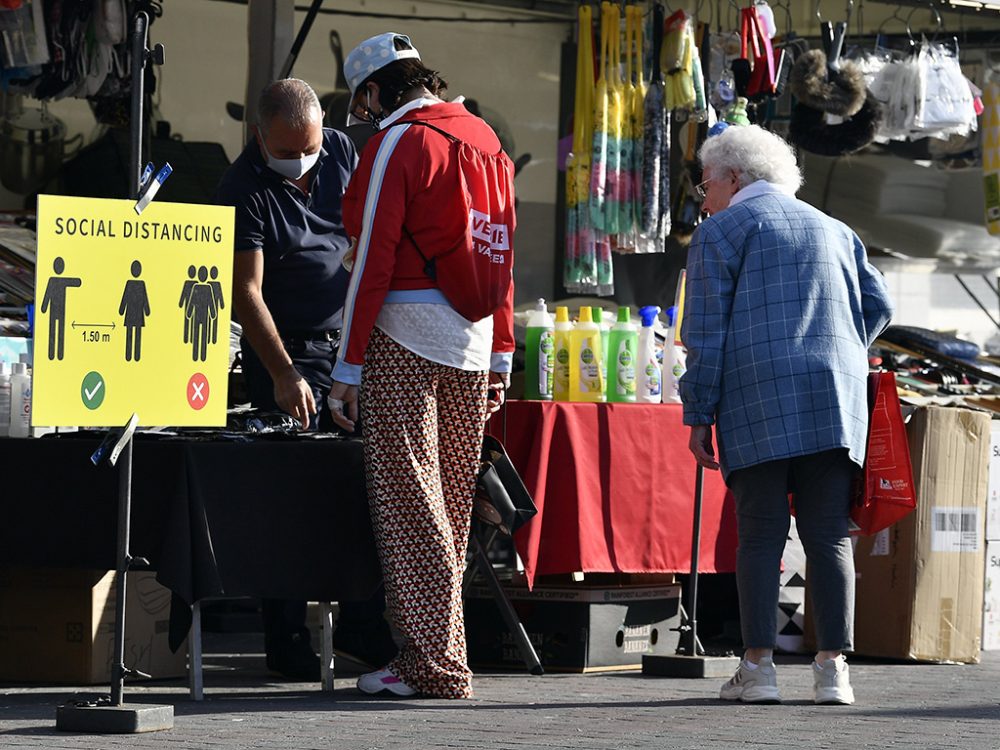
(428, 376)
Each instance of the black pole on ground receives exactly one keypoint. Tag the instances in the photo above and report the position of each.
(693, 646)
(690, 659)
(114, 715)
(118, 669)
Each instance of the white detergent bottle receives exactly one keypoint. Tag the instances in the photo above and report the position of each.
(674, 362)
(539, 355)
(4, 400)
(20, 402)
(647, 372)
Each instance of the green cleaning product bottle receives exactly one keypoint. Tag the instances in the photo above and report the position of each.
(623, 341)
(737, 113)
(560, 379)
(539, 355)
(597, 313)
(585, 348)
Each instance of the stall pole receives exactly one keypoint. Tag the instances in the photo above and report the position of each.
(690, 659)
(114, 716)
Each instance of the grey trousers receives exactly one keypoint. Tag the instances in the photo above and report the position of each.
(821, 483)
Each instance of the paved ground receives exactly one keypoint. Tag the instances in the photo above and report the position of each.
(899, 706)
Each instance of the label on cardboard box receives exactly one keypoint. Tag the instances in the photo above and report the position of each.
(991, 598)
(993, 486)
(955, 529)
(880, 547)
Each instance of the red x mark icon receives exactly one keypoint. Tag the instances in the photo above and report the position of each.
(197, 391)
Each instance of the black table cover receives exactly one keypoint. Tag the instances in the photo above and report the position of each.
(280, 518)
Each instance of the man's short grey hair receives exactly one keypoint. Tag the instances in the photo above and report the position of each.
(291, 99)
(756, 153)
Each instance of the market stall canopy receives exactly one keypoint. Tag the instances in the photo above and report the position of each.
(909, 216)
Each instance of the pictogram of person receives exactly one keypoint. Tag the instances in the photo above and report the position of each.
(54, 302)
(202, 312)
(217, 300)
(185, 296)
(135, 308)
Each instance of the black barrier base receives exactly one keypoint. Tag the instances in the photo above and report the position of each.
(128, 718)
(655, 665)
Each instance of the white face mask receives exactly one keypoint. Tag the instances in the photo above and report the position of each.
(290, 169)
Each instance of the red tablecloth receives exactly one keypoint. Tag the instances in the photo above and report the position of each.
(614, 486)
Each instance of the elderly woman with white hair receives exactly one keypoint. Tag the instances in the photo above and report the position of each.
(782, 306)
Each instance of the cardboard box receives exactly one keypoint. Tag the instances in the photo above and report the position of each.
(993, 491)
(920, 582)
(575, 629)
(991, 598)
(57, 626)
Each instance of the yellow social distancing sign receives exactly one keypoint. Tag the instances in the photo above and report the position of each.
(131, 313)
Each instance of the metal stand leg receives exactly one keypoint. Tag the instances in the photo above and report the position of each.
(482, 561)
(326, 646)
(196, 675)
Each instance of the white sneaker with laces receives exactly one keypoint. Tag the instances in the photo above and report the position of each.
(758, 685)
(383, 680)
(832, 682)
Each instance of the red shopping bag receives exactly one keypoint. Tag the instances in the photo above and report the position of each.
(884, 492)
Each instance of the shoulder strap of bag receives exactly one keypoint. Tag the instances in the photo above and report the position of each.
(429, 268)
(428, 264)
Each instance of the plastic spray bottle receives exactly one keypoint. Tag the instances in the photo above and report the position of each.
(4, 400)
(674, 361)
(585, 349)
(539, 355)
(648, 374)
(560, 380)
(624, 343)
(20, 401)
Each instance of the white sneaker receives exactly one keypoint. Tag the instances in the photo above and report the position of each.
(383, 680)
(758, 685)
(832, 682)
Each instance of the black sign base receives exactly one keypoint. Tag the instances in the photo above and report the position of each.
(129, 718)
(657, 665)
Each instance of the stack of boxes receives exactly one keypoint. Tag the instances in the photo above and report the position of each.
(920, 582)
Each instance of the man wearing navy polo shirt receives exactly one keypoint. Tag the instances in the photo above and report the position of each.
(289, 285)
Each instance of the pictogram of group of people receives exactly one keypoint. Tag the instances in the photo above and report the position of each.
(201, 299)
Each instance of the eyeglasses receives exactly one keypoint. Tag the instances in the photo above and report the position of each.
(699, 189)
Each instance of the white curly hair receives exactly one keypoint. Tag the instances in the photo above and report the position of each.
(754, 153)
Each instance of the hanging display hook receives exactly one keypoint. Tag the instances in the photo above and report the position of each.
(937, 19)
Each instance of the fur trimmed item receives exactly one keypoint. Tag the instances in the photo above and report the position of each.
(839, 92)
(809, 130)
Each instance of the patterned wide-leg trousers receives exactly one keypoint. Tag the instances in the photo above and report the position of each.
(423, 433)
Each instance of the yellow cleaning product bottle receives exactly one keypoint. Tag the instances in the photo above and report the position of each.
(586, 379)
(560, 380)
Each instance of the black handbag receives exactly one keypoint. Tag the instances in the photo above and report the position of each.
(501, 500)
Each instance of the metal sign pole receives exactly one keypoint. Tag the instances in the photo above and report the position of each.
(116, 716)
(690, 659)
(119, 669)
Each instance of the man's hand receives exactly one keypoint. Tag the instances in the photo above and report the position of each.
(499, 383)
(700, 445)
(293, 395)
(343, 403)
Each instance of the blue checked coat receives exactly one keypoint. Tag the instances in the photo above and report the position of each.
(781, 307)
